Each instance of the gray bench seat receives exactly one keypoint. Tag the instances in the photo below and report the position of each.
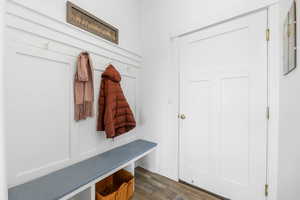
(60, 183)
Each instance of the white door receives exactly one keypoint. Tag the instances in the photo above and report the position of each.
(224, 99)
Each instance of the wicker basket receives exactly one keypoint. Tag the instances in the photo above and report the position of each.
(119, 186)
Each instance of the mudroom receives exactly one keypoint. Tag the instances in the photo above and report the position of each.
(149, 100)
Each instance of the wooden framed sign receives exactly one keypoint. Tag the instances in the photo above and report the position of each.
(86, 21)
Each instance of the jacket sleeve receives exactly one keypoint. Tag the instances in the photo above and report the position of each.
(101, 107)
(110, 109)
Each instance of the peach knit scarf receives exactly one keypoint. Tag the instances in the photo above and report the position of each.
(83, 88)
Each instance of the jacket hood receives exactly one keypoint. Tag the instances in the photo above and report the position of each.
(112, 74)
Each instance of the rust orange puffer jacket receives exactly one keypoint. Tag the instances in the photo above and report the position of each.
(115, 116)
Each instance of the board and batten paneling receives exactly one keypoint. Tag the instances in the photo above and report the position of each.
(41, 134)
(38, 110)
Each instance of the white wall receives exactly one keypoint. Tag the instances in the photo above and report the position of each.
(40, 57)
(289, 138)
(194, 14)
(3, 183)
(159, 97)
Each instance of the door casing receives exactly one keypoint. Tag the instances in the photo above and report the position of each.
(273, 91)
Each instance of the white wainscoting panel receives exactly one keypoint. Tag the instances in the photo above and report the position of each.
(41, 133)
(38, 96)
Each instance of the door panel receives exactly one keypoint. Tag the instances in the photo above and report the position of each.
(223, 93)
(234, 132)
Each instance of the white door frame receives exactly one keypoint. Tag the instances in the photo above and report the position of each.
(273, 91)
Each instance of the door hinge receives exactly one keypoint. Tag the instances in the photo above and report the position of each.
(268, 34)
(266, 190)
(268, 113)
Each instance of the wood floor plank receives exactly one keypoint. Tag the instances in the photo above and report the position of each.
(150, 186)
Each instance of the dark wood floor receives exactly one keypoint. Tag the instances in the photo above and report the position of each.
(149, 186)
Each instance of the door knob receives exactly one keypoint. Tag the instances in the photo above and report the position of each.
(182, 116)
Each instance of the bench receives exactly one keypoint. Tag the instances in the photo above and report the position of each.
(79, 179)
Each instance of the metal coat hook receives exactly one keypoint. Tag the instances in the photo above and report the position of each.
(85, 52)
(47, 45)
(128, 69)
(110, 63)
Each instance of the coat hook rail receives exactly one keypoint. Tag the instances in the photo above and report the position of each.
(49, 48)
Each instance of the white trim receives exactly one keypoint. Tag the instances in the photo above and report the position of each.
(179, 124)
(274, 75)
(73, 27)
(60, 33)
(43, 168)
(24, 176)
(93, 192)
(74, 146)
